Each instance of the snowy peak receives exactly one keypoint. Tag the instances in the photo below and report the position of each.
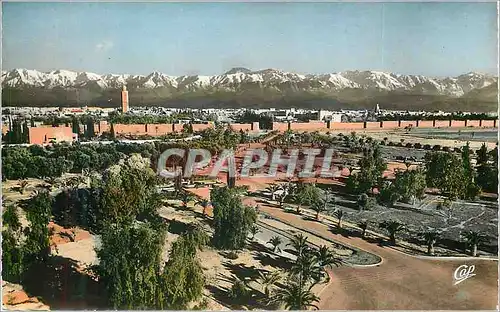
(239, 78)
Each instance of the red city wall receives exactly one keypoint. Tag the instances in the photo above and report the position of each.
(458, 123)
(200, 127)
(442, 123)
(43, 135)
(425, 123)
(310, 126)
(487, 123)
(129, 129)
(472, 123)
(372, 125)
(347, 125)
(408, 123)
(238, 127)
(390, 124)
(280, 126)
(159, 129)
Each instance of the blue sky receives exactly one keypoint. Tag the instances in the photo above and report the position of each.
(435, 39)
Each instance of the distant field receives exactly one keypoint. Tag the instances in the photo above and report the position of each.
(490, 135)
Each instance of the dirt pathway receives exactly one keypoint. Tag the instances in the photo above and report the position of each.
(401, 281)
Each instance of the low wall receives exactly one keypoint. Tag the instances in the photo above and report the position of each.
(373, 125)
(43, 135)
(390, 124)
(347, 125)
(473, 123)
(487, 123)
(425, 124)
(408, 123)
(457, 123)
(280, 126)
(129, 129)
(442, 123)
(308, 126)
(159, 129)
(239, 127)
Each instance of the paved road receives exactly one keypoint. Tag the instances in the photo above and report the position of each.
(401, 281)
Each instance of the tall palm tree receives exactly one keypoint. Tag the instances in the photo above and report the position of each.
(363, 225)
(204, 203)
(430, 239)
(307, 268)
(269, 280)
(275, 241)
(473, 240)
(272, 188)
(298, 243)
(318, 206)
(254, 230)
(22, 186)
(326, 258)
(392, 227)
(339, 214)
(294, 296)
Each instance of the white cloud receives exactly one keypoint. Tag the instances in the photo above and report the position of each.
(104, 45)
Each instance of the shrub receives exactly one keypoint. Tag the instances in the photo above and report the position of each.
(399, 144)
(239, 291)
(457, 150)
(382, 142)
(427, 147)
(232, 255)
(446, 148)
(436, 147)
(409, 145)
(390, 143)
(417, 145)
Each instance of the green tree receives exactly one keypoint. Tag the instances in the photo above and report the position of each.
(299, 243)
(363, 225)
(430, 239)
(327, 258)
(276, 242)
(268, 280)
(13, 261)
(372, 165)
(38, 213)
(393, 227)
(409, 185)
(295, 296)
(254, 230)
(365, 202)
(473, 239)
(232, 220)
(445, 171)
(339, 214)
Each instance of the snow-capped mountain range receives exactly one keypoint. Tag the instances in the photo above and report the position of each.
(238, 79)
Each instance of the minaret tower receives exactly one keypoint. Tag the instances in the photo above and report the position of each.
(124, 99)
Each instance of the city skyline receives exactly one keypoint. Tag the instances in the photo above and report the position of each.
(432, 39)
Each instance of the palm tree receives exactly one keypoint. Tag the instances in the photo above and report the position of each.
(294, 296)
(339, 214)
(392, 227)
(318, 206)
(298, 197)
(272, 188)
(22, 186)
(307, 268)
(268, 280)
(298, 243)
(363, 225)
(204, 203)
(281, 198)
(430, 239)
(186, 198)
(326, 258)
(473, 240)
(254, 230)
(275, 241)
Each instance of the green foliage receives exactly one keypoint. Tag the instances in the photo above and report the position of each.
(407, 186)
(275, 241)
(38, 213)
(13, 252)
(294, 296)
(393, 227)
(487, 169)
(129, 265)
(182, 277)
(232, 220)
(239, 291)
(446, 172)
(372, 165)
(366, 202)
